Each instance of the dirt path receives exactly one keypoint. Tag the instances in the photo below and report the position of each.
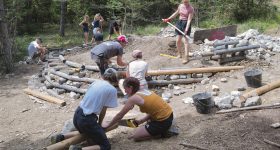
(28, 125)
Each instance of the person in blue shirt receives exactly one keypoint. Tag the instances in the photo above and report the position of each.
(90, 113)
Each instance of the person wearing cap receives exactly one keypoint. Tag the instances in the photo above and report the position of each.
(137, 68)
(185, 12)
(90, 113)
(36, 49)
(159, 115)
(102, 53)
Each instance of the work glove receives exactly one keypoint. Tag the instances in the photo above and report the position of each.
(166, 20)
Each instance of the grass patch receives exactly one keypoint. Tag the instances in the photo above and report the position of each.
(261, 25)
(148, 30)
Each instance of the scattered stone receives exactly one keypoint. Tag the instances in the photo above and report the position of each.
(62, 80)
(235, 93)
(177, 87)
(215, 93)
(275, 125)
(182, 76)
(205, 81)
(197, 75)
(170, 86)
(166, 96)
(68, 127)
(177, 93)
(174, 77)
(161, 77)
(48, 85)
(224, 102)
(253, 101)
(215, 88)
(81, 74)
(237, 102)
(243, 88)
(223, 79)
(60, 91)
(188, 100)
(70, 72)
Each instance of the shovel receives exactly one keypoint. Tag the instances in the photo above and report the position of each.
(186, 36)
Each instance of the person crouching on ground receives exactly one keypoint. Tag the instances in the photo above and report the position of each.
(159, 114)
(91, 112)
(36, 49)
(98, 36)
(136, 68)
(102, 53)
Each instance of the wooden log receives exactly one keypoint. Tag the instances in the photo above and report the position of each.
(193, 70)
(45, 97)
(62, 59)
(74, 64)
(53, 64)
(92, 68)
(72, 78)
(271, 143)
(66, 87)
(259, 91)
(179, 81)
(73, 140)
(277, 105)
(193, 146)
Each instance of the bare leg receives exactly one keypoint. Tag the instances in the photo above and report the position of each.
(109, 38)
(71, 134)
(86, 37)
(179, 46)
(187, 50)
(94, 147)
(140, 134)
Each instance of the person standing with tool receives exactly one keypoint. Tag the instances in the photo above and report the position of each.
(185, 12)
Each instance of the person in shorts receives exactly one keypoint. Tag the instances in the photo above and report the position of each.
(114, 28)
(102, 53)
(159, 115)
(185, 12)
(90, 113)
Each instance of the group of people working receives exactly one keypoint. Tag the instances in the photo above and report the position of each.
(97, 28)
(89, 116)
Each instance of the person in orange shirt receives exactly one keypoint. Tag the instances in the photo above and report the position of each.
(185, 12)
(159, 114)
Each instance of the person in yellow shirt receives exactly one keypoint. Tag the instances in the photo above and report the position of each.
(159, 114)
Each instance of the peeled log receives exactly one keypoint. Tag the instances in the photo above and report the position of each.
(193, 70)
(259, 91)
(66, 87)
(92, 68)
(72, 78)
(45, 97)
(179, 81)
(72, 141)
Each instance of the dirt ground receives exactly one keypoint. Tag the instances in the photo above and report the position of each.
(29, 125)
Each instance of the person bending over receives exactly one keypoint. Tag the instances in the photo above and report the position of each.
(35, 49)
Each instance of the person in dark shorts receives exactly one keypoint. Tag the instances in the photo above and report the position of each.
(159, 114)
(85, 25)
(185, 12)
(114, 28)
(90, 113)
(102, 53)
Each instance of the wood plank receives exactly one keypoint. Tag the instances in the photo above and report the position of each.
(45, 97)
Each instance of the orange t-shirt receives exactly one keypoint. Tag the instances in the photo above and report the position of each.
(155, 106)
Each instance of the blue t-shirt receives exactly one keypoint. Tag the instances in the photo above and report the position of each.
(100, 93)
(107, 49)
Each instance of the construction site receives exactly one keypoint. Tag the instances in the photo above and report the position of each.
(225, 97)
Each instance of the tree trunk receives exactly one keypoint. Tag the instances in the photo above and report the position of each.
(6, 51)
(62, 17)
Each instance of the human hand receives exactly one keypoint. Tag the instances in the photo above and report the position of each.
(105, 125)
(166, 20)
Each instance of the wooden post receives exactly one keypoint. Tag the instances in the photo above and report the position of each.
(45, 97)
(193, 70)
(179, 81)
(259, 91)
(72, 78)
(73, 140)
(249, 108)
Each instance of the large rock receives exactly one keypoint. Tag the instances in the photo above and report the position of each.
(253, 101)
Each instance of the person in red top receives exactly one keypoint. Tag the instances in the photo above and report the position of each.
(185, 12)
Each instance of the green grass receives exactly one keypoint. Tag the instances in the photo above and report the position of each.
(148, 30)
(261, 25)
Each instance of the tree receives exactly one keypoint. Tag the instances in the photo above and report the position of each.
(6, 51)
(63, 10)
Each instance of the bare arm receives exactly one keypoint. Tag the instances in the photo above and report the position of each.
(102, 115)
(174, 14)
(142, 120)
(81, 24)
(127, 107)
(189, 21)
(120, 62)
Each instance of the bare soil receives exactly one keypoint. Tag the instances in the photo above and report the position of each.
(29, 125)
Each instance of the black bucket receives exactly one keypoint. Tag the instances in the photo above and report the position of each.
(253, 78)
(203, 102)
